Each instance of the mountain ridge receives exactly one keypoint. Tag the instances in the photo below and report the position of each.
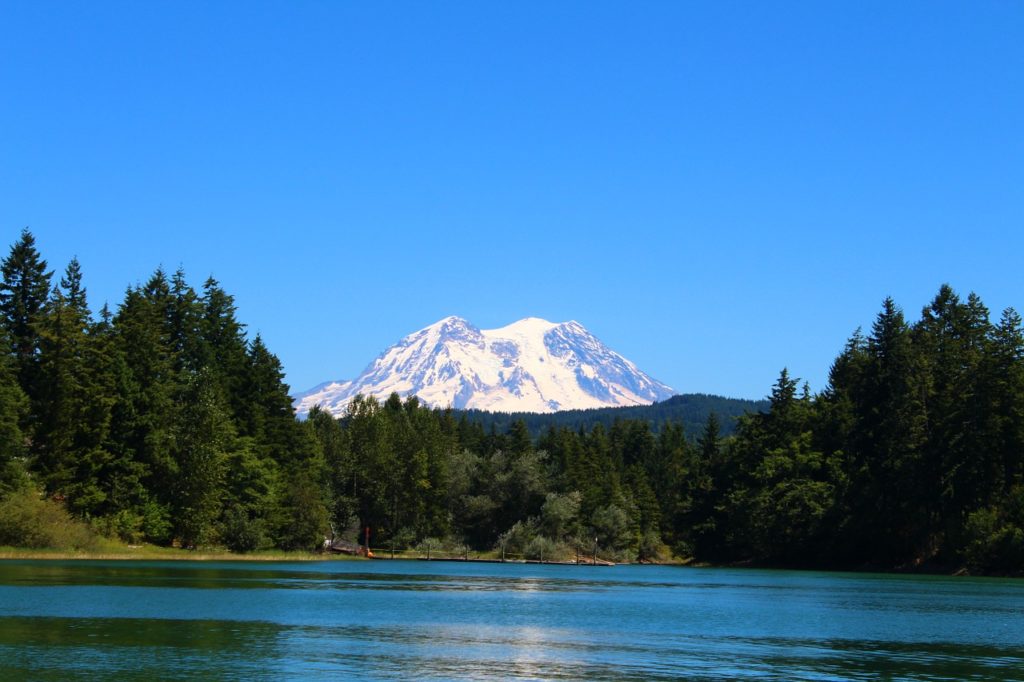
(531, 365)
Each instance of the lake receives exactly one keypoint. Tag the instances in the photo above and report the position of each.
(438, 620)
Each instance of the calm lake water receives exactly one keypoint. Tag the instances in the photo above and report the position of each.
(408, 619)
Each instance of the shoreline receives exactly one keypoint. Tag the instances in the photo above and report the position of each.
(150, 553)
(164, 554)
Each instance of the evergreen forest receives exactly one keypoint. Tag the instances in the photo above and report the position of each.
(689, 410)
(163, 422)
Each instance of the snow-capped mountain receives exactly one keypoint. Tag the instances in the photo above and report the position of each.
(529, 366)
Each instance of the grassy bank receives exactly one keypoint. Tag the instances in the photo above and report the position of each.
(111, 550)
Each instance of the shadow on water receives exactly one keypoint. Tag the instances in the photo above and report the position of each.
(232, 576)
(134, 649)
(153, 620)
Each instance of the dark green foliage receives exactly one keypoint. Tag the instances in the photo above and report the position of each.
(994, 535)
(13, 408)
(304, 523)
(242, 532)
(688, 411)
(76, 396)
(165, 423)
(147, 411)
(160, 423)
(24, 288)
(203, 440)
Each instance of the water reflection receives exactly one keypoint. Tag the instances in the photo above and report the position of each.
(63, 648)
(139, 620)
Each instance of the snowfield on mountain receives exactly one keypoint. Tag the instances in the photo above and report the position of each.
(528, 366)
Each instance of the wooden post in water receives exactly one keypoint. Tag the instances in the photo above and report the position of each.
(595, 551)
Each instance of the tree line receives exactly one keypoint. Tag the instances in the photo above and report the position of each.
(163, 422)
(160, 421)
(689, 410)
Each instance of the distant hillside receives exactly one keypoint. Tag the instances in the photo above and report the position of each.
(691, 409)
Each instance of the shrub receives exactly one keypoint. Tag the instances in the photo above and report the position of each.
(241, 533)
(156, 523)
(652, 548)
(516, 538)
(993, 543)
(27, 520)
(545, 549)
(124, 524)
(429, 546)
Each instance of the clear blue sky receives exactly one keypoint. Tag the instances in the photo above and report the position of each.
(716, 190)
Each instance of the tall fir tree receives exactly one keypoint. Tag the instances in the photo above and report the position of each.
(226, 355)
(24, 289)
(890, 507)
(204, 440)
(150, 390)
(74, 413)
(13, 407)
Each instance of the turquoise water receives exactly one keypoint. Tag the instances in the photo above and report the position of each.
(409, 619)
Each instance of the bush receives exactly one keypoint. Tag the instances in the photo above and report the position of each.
(516, 538)
(541, 548)
(27, 520)
(125, 525)
(13, 477)
(401, 539)
(241, 533)
(614, 529)
(560, 514)
(156, 523)
(652, 548)
(993, 544)
(429, 547)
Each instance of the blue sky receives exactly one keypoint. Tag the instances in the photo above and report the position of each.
(716, 190)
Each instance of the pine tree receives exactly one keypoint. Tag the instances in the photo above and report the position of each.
(185, 328)
(226, 355)
(74, 411)
(337, 457)
(519, 441)
(1005, 384)
(109, 406)
(694, 512)
(23, 293)
(266, 407)
(204, 440)
(891, 510)
(13, 406)
(150, 393)
(952, 338)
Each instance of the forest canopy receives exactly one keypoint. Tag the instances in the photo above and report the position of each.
(163, 421)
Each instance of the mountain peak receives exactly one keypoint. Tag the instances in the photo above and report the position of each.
(530, 365)
(450, 322)
(451, 319)
(527, 325)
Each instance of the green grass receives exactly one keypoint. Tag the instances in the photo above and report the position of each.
(110, 549)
